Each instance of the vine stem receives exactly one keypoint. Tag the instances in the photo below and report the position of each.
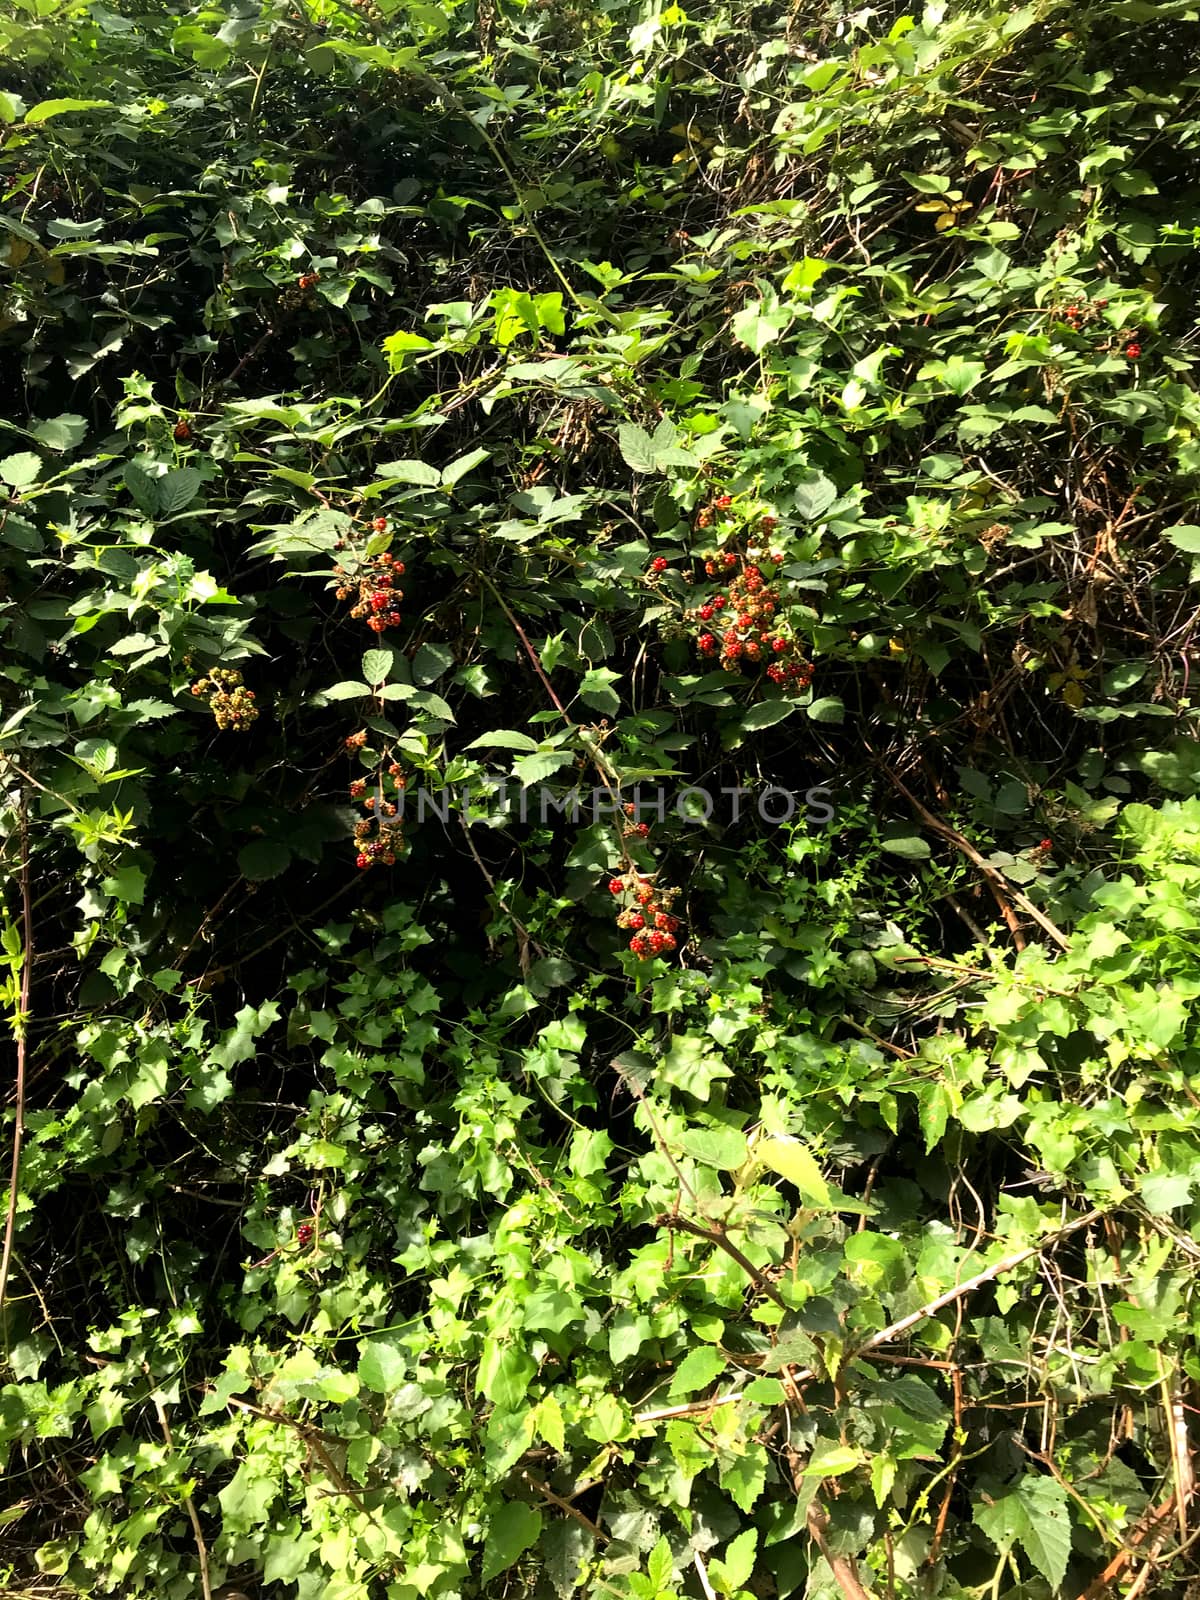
(20, 1032)
(189, 1504)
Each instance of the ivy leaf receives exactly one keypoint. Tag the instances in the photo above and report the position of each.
(382, 1366)
(596, 689)
(1035, 1516)
(688, 1065)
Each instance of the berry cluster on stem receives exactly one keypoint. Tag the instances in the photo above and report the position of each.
(373, 588)
(740, 601)
(378, 836)
(646, 914)
(230, 702)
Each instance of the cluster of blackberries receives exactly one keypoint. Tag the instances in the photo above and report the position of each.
(745, 605)
(1079, 314)
(632, 828)
(183, 430)
(648, 916)
(373, 587)
(304, 1235)
(378, 840)
(230, 702)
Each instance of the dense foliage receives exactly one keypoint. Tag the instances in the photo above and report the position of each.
(434, 432)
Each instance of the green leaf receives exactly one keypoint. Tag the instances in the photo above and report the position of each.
(376, 665)
(698, 1369)
(265, 858)
(504, 1375)
(689, 1065)
(45, 109)
(459, 469)
(382, 1365)
(1185, 536)
(514, 1528)
(1035, 1516)
(533, 768)
(637, 447)
(596, 689)
(61, 433)
(21, 470)
(503, 739)
(901, 841)
(142, 487)
(351, 689)
(408, 471)
(425, 700)
(735, 1568)
(177, 489)
(828, 709)
(765, 714)
(814, 497)
(431, 661)
(660, 1567)
(795, 1162)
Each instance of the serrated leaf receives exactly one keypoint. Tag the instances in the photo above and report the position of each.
(426, 700)
(20, 470)
(736, 1566)
(61, 433)
(503, 739)
(376, 664)
(431, 661)
(636, 446)
(1035, 1516)
(142, 487)
(697, 1370)
(348, 689)
(177, 489)
(265, 858)
(596, 690)
(1186, 537)
(659, 1566)
(409, 471)
(533, 768)
(459, 469)
(382, 1366)
(814, 497)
